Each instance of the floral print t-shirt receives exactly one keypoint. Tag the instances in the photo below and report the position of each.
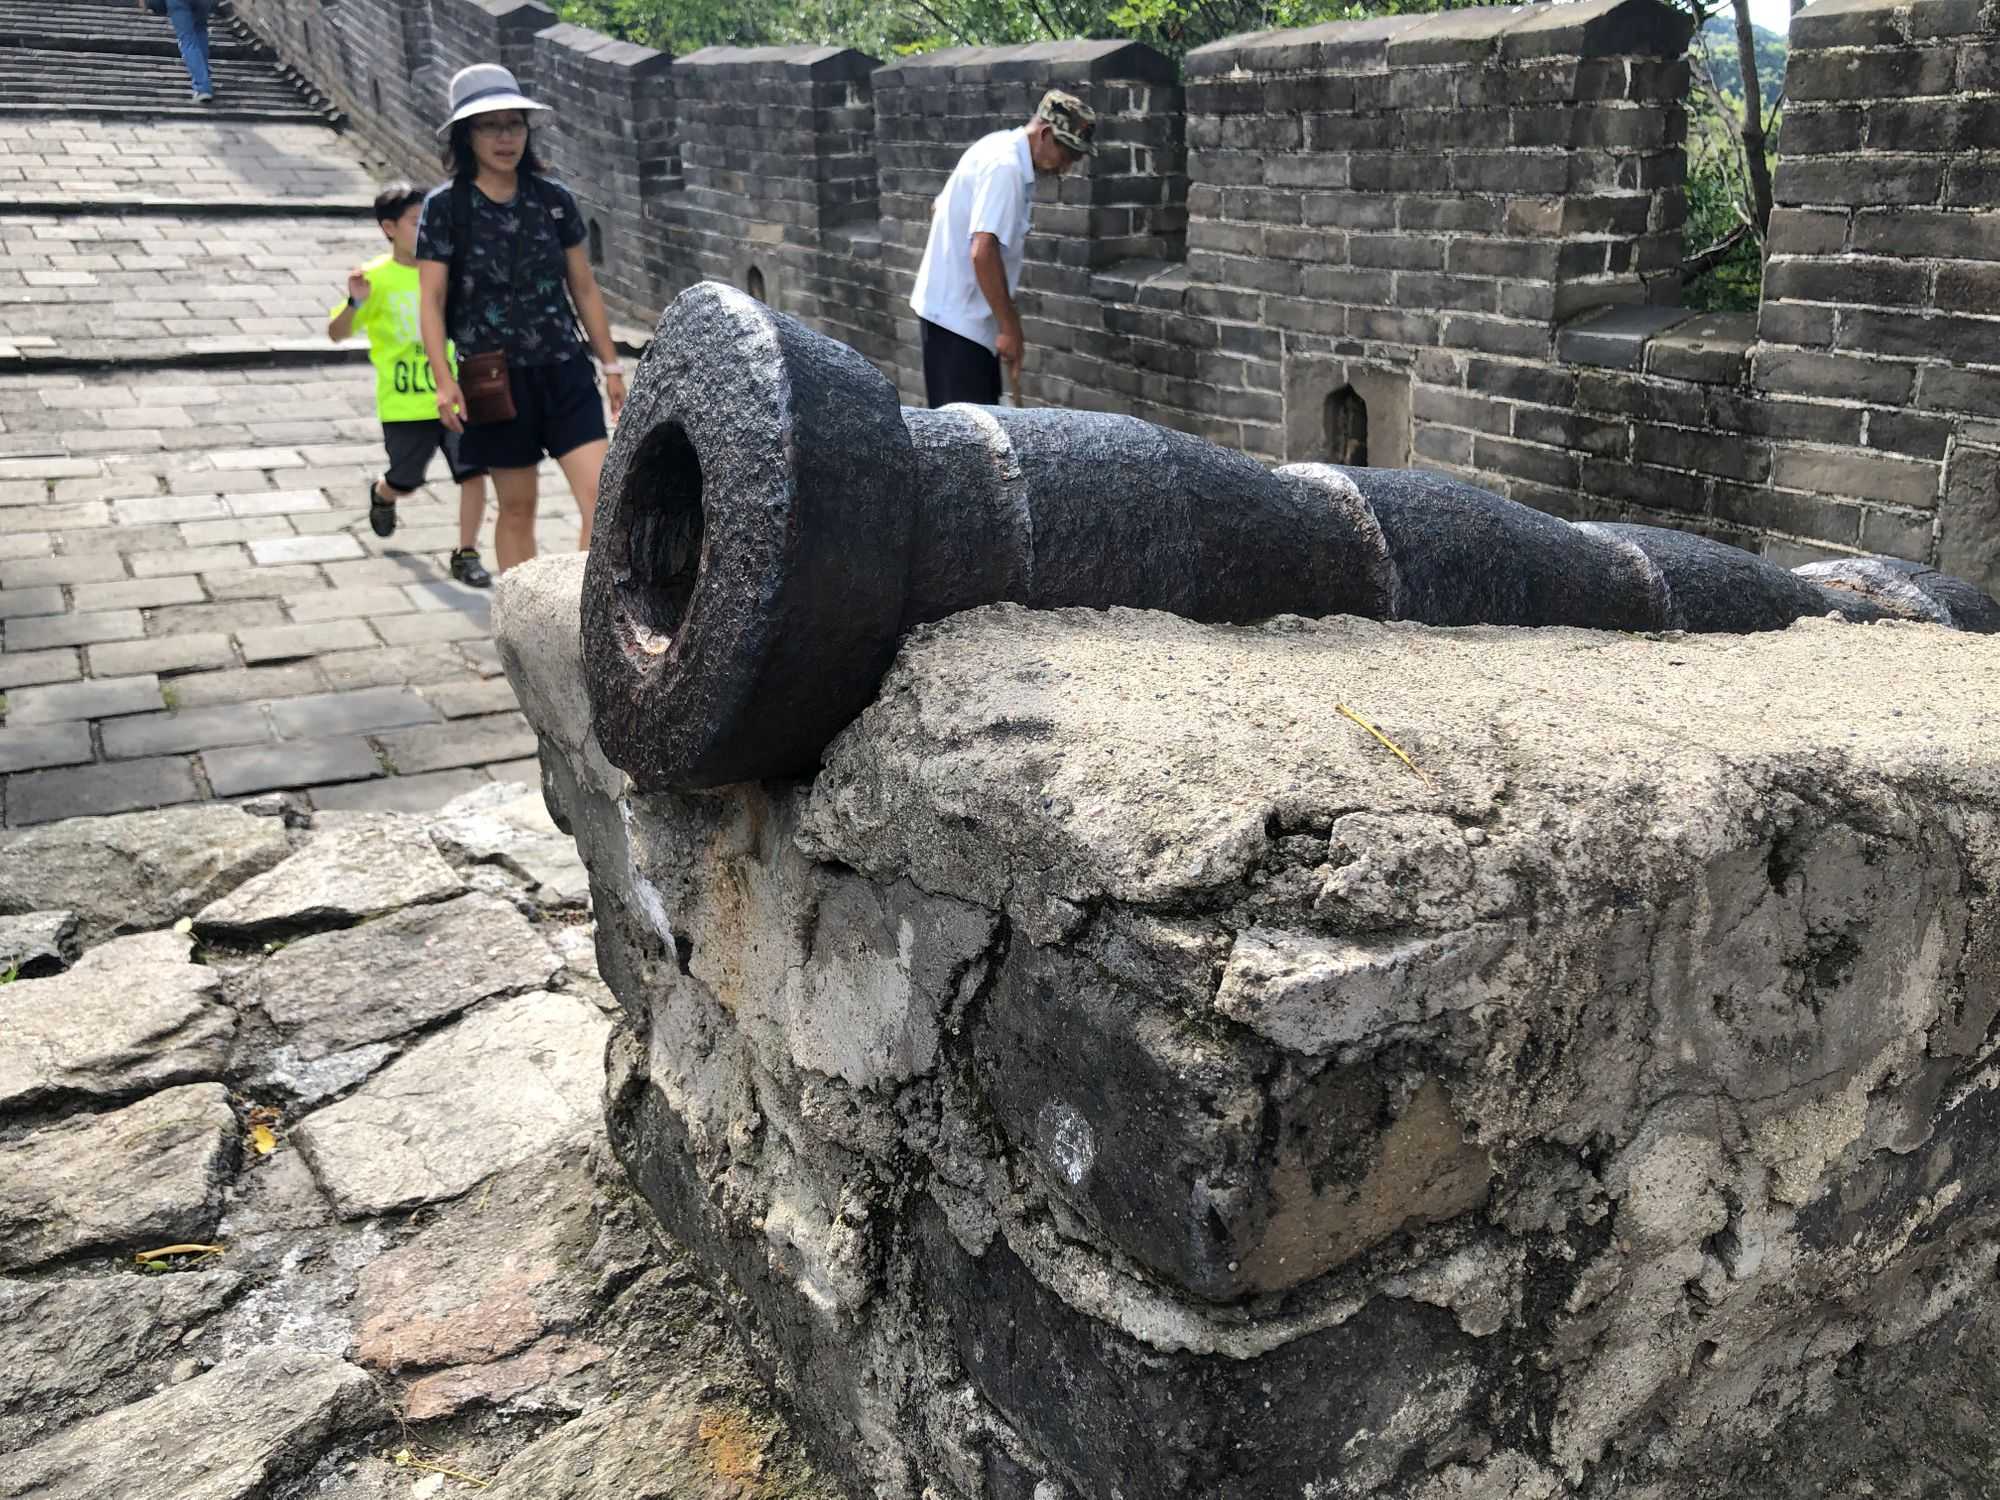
(527, 315)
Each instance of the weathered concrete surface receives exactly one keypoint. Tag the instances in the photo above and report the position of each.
(132, 1016)
(495, 1088)
(228, 1435)
(146, 1175)
(1214, 1105)
(138, 870)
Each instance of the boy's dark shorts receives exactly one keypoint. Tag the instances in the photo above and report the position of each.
(556, 409)
(411, 445)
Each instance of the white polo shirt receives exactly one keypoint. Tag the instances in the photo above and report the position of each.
(991, 191)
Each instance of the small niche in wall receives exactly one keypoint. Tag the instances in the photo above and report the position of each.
(753, 283)
(1345, 412)
(375, 93)
(596, 243)
(1347, 428)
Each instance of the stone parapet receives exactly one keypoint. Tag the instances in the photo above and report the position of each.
(1884, 262)
(1117, 1072)
(1384, 241)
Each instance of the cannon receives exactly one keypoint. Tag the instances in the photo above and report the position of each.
(772, 521)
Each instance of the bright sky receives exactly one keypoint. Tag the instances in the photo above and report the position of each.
(1772, 15)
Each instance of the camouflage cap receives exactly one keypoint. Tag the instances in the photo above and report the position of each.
(1070, 121)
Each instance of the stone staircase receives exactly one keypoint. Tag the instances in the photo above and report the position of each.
(110, 58)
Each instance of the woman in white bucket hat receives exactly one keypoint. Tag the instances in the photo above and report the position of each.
(506, 278)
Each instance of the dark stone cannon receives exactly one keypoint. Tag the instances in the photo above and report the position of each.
(772, 521)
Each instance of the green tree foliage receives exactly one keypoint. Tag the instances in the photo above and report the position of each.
(889, 28)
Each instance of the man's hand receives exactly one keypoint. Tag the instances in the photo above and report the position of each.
(1012, 349)
(451, 406)
(357, 286)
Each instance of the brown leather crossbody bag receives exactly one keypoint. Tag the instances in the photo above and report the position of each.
(487, 392)
(483, 381)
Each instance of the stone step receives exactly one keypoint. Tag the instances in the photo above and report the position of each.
(44, 81)
(113, 28)
(40, 34)
(110, 58)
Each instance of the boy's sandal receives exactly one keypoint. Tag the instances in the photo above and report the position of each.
(381, 513)
(469, 570)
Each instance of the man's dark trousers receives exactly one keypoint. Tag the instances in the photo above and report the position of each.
(956, 369)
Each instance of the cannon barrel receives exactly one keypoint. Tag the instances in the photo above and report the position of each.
(771, 520)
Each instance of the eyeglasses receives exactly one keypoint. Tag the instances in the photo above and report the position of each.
(500, 127)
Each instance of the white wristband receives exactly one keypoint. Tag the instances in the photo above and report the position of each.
(614, 368)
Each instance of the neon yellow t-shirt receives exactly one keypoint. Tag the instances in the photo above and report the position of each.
(404, 390)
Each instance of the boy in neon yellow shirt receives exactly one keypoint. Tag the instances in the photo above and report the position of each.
(382, 302)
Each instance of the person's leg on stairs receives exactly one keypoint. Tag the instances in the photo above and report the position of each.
(190, 18)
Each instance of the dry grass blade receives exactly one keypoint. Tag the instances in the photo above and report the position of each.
(166, 1250)
(405, 1459)
(1392, 747)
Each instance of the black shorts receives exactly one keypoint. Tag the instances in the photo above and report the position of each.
(956, 369)
(411, 445)
(556, 409)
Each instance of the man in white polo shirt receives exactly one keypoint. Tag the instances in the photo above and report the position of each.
(972, 263)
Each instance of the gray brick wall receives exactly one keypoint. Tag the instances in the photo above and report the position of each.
(1458, 232)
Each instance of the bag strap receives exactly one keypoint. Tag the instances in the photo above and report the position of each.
(461, 231)
(545, 195)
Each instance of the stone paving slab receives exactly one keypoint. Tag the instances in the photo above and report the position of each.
(118, 287)
(206, 163)
(192, 604)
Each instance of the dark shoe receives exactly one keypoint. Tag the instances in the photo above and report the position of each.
(381, 513)
(468, 570)
(203, 98)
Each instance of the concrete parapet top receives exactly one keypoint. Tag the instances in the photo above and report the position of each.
(517, 15)
(1038, 62)
(818, 63)
(1884, 23)
(1585, 28)
(603, 49)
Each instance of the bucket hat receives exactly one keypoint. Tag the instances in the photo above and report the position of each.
(1070, 121)
(484, 89)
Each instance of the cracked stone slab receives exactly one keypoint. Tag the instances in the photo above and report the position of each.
(340, 990)
(133, 1016)
(489, 1278)
(511, 827)
(542, 1364)
(356, 869)
(230, 1434)
(149, 1174)
(508, 1081)
(74, 1346)
(706, 1440)
(37, 943)
(136, 871)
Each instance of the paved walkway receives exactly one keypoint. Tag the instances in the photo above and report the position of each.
(191, 602)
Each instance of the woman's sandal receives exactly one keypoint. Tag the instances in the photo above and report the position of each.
(381, 513)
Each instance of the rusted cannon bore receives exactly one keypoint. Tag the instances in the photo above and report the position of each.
(772, 521)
